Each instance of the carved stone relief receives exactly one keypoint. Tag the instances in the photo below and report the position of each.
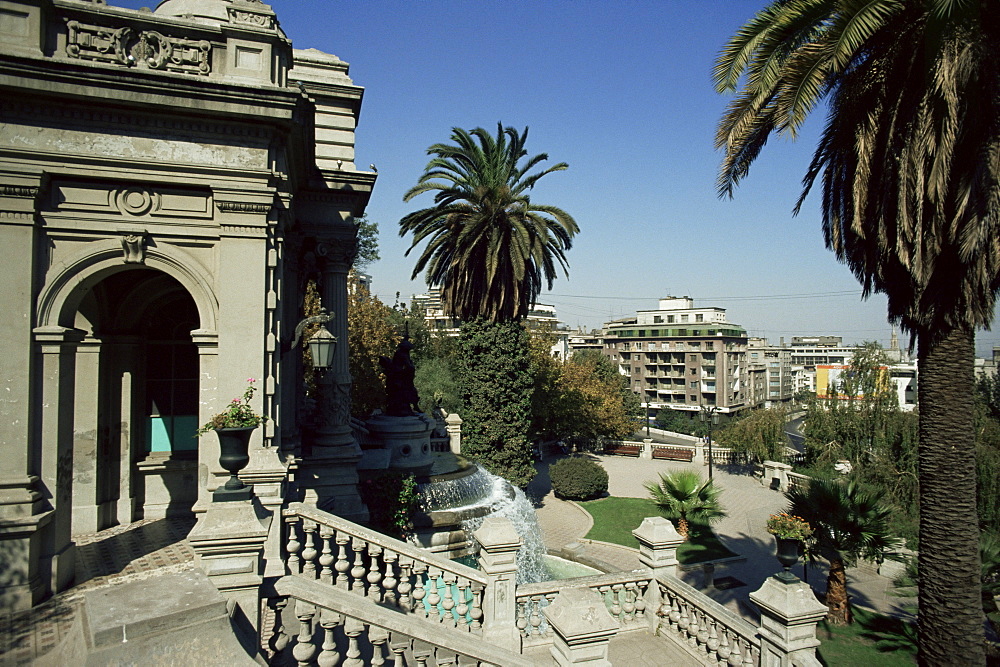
(134, 246)
(146, 49)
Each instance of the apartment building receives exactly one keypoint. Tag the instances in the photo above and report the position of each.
(682, 357)
(774, 364)
(540, 315)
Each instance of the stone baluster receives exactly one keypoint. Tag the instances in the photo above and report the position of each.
(374, 574)
(549, 599)
(750, 659)
(536, 615)
(389, 581)
(675, 613)
(702, 630)
(357, 565)
(422, 653)
(433, 597)
(640, 602)
(498, 561)
(477, 607)
(398, 649)
(328, 656)
(692, 628)
(279, 635)
(628, 606)
(419, 592)
(292, 546)
(378, 638)
(462, 609)
(522, 616)
(713, 638)
(342, 565)
(684, 620)
(326, 555)
(353, 629)
(616, 606)
(405, 584)
(722, 653)
(789, 613)
(304, 650)
(736, 652)
(309, 552)
(449, 599)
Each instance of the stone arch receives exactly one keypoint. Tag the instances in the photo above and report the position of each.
(72, 278)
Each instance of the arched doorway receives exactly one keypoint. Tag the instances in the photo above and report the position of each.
(135, 454)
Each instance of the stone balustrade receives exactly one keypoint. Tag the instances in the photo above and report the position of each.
(349, 557)
(325, 625)
(624, 595)
(705, 626)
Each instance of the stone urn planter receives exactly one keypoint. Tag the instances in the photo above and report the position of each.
(234, 444)
(788, 554)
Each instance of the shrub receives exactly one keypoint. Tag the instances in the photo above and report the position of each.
(578, 478)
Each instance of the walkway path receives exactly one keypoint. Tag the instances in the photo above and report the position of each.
(743, 531)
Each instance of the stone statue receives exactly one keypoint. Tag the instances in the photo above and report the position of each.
(402, 400)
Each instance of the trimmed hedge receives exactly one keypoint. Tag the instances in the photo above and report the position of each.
(578, 478)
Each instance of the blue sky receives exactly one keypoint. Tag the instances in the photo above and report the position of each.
(622, 92)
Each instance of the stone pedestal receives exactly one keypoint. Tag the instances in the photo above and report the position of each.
(408, 439)
(658, 542)
(454, 428)
(498, 561)
(789, 613)
(267, 475)
(582, 626)
(776, 475)
(647, 449)
(228, 542)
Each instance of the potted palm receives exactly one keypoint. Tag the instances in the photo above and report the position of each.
(234, 426)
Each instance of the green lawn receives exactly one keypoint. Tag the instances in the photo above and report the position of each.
(616, 518)
(872, 640)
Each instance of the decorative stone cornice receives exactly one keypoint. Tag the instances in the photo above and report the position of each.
(144, 49)
(21, 191)
(242, 207)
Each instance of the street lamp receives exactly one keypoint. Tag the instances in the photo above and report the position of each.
(322, 344)
(710, 416)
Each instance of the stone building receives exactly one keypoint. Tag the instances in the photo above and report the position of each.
(169, 182)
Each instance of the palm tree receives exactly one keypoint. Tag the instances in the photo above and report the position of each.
(849, 522)
(909, 163)
(684, 496)
(489, 247)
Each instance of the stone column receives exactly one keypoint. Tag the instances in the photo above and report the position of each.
(123, 376)
(658, 542)
(582, 626)
(498, 560)
(454, 428)
(329, 472)
(209, 471)
(55, 411)
(85, 437)
(789, 613)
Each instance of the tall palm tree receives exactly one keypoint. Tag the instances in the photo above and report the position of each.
(489, 247)
(849, 522)
(684, 496)
(909, 163)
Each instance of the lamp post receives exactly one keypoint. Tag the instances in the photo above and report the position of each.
(647, 415)
(710, 416)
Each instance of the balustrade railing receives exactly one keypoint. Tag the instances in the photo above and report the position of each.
(341, 554)
(624, 595)
(334, 627)
(706, 627)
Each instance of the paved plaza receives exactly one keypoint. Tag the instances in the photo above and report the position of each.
(743, 531)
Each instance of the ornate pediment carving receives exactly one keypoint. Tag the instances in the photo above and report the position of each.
(145, 49)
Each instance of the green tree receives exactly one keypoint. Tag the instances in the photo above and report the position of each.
(684, 496)
(680, 422)
(759, 433)
(849, 522)
(491, 249)
(911, 180)
(370, 335)
(367, 243)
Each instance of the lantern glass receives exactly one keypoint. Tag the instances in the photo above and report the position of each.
(322, 346)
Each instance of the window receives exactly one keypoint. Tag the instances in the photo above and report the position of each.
(699, 318)
(694, 385)
(670, 319)
(694, 399)
(657, 319)
(684, 318)
(693, 357)
(694, 371)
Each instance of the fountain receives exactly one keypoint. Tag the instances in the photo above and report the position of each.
(456, 495)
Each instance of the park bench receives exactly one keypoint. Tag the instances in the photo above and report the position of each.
(673, 454)
(621, 449)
